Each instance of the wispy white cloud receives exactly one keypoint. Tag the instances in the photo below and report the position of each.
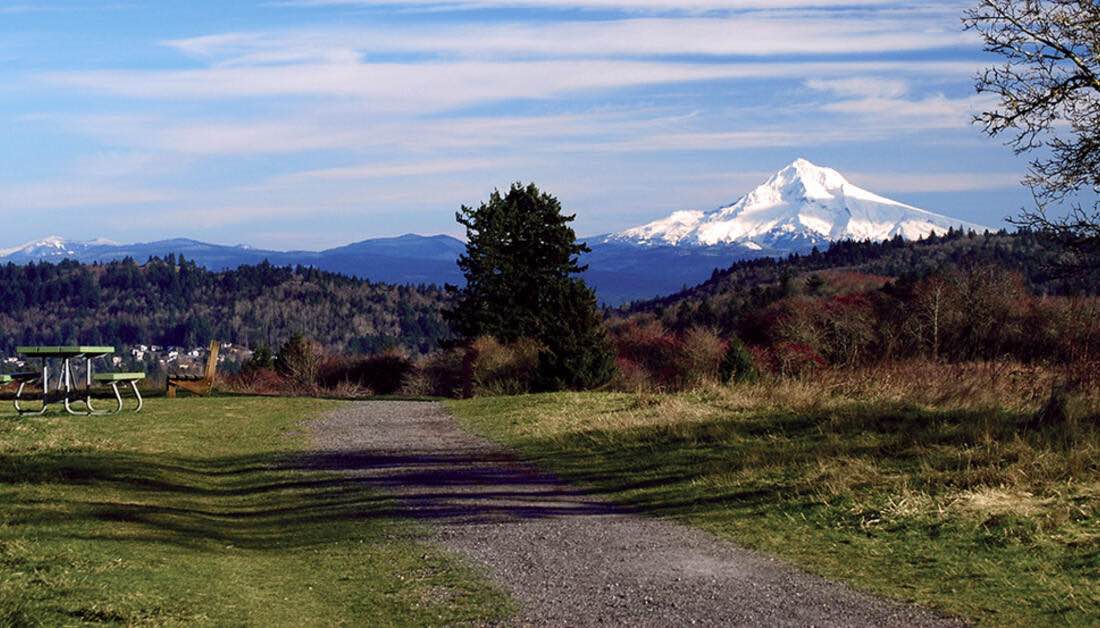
(68, 194)
(390, 170)
(15, 9)
(622, 5)
(752, 35)
(387, 88)
(861, 87)
(888, 103)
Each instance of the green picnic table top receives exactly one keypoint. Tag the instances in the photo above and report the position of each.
(119, 377)
(64, 352)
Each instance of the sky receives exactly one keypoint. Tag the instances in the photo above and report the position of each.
(305, 124)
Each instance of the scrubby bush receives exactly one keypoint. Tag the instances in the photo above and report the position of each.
(261, 359)
(441, 374)
(382, 374)
(699, 357)
(797, 360)
(646, 347)
(258, 381)
(502, 369)
(651, 357)
(299, 360)
(631, 377)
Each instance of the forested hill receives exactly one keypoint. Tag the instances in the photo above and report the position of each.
(753, 283)
(177, 303)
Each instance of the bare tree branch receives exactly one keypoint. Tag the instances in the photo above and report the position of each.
(1049, 103)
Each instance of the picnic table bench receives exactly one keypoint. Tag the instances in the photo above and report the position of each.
(197, 384)
(66, 387)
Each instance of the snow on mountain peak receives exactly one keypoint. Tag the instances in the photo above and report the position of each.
(51, 246)
(801, 205)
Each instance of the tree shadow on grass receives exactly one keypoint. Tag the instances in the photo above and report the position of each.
(770, 460)
(269, 501)
(272, 501)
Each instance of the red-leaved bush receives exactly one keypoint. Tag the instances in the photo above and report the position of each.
(651, 357)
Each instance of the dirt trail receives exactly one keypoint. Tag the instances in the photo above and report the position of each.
(568, 557)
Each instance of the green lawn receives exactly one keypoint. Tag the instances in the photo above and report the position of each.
(204, 511)
(959, 510)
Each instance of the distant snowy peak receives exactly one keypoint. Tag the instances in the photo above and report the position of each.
(799, 206)
(51, 247)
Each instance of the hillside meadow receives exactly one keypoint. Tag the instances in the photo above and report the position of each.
(922, 484)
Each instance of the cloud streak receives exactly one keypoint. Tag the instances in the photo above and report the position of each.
(617, 5)
(750, 35)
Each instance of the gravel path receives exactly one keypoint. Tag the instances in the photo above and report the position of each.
(570, 558)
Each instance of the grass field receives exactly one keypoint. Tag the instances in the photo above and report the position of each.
(204, 511)
(948, 505)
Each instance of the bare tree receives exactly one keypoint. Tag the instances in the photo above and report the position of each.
(1049, 102)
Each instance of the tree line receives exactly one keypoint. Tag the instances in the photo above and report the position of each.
(175, 302)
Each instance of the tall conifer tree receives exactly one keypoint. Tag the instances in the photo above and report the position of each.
(520, 265)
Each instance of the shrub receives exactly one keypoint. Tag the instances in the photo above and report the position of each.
(738, 364)
(441, 374)
(658, 360)
(259, 381)
(299, 360)
(630, 377)
(699, 357)
(499, 369)
(382, 374)
(647, 346)
(765, 360)
(797, 360)
(261, 359)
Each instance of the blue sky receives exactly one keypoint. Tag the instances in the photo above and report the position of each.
(312, 123)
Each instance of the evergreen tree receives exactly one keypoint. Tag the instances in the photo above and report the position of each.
(577, 354)
(738, 364)
(520, 261)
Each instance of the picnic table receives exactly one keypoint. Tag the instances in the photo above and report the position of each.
(66, 385)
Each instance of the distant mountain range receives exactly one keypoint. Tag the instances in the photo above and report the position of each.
(407, 259)
(798, 208)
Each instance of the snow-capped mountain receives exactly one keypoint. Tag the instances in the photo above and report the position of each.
(50, 248)
(800, 206)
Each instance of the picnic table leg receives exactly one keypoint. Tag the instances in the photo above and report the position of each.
(67, 376)
(45, 393)
(137, 393)
(88, 382)
(118, 397)
(20, 410)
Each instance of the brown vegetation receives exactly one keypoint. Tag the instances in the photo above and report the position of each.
(973, 336)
